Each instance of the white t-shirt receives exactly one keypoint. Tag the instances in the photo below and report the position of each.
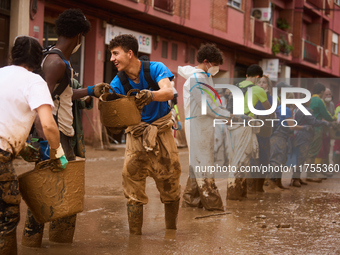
(21, 92)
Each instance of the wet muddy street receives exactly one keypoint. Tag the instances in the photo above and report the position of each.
(296, 221)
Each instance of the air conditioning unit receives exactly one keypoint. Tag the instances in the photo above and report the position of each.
(263, 14)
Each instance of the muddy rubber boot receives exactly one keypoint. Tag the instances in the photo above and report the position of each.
(302, 182)
(236, 189)
(171, 213)
(251, 185)
(295, 183)
(272, 186)
(191, 195)
(8, 244)
(135, 218)
(318, 180)
(33, 231)
(279, 184)
(259, 184)
(62, 230)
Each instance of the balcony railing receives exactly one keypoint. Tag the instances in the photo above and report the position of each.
(315, 54)
(261, 32)
(316, 3)
(310, 52)
(282, 41)
(278, 34)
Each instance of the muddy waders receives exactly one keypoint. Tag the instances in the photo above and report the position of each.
(171, 215)
(135, 218)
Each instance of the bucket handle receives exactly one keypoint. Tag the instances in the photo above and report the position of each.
(132, 90)
(107, 90)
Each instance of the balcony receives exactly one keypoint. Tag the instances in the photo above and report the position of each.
(282, 41)
(316, 3)
(261, 32)
(315, 54)
(310, 52)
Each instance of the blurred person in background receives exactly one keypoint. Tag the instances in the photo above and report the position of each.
(263, 138)
(320, 112)
(323, 156)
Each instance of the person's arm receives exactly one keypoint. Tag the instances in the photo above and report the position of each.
(266, 105)
(79, 93)
(49, 126)
(82, 103)
(262, 97)
(291, 123)
(165, 92)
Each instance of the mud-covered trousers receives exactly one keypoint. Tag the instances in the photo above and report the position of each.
(59, 226)
(161, 163)
(278, 154)
(9, 204)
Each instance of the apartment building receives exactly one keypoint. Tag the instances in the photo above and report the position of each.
(289, 38)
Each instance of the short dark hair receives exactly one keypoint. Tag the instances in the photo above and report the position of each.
(211, 53)
(254, 70)
(27, 51)
(318, 88)
(72, 22)
(126, 42)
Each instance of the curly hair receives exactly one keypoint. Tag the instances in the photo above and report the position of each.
(72, 22)
(126, 42)
(211, 53)
(27, 51)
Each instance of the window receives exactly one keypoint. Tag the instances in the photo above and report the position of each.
(236, 3)
(335, 44)
(164, 49)
(164, 5)
(337, 2)
(5, 5)
(192, 56)
(174, 51)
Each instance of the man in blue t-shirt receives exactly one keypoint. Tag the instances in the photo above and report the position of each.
(150, 146)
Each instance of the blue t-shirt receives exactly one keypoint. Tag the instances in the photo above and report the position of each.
(154, 110)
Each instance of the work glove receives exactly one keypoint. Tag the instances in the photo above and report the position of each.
(307, 128)
(58, 157)
(30, 154)
(179, 125)
(144, 97)
(98, 89)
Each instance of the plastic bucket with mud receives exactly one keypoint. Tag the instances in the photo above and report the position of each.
(119, 111)
(54, 194)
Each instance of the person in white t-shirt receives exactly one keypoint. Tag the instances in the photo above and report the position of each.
(23, 95)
